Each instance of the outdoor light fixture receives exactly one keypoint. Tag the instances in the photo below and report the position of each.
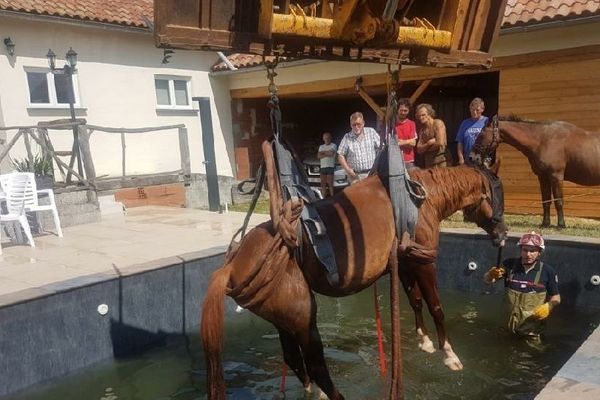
(71, 58)
(69, 67)
(10, 46)
(69, 70)
(51, 59)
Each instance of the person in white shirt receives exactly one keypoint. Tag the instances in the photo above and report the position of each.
(358, 149)
(326, 156)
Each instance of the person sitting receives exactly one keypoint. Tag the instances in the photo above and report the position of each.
(432, 137)
(531, 287)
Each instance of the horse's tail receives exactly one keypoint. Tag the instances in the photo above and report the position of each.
(211, 331)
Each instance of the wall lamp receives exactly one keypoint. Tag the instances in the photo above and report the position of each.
(69, 67)
(10, 46)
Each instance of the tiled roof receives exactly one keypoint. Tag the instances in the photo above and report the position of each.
(527, 12)
(135, 13)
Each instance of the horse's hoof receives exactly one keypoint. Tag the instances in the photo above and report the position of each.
(545, 224)
(427, 346)
(453, 363)
(561, 226)
(322, 395)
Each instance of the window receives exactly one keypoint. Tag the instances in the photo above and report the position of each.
(172, 92)
(49, 90)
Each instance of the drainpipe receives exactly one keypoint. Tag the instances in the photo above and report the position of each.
(226, 61)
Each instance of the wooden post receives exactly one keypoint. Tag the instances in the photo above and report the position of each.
(11, 144)
(184, 152)
(28, 147)
(123, 151)
(86, 152)
(61, 162)
(44, 140)
(42, 132)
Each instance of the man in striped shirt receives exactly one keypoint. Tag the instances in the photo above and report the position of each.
(358, 149)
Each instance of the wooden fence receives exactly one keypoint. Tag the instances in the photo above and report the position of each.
(81, 151)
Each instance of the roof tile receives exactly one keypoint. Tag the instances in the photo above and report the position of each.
(526, 12)
(133, 13)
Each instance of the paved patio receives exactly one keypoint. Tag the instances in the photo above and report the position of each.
(143, 235)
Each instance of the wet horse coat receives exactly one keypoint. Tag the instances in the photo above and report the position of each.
(556, 151)
(360, 224)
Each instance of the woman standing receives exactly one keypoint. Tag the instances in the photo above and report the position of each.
(432, 137)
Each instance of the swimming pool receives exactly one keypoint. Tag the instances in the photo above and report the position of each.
(497, 366)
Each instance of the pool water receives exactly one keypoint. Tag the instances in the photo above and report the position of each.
(496, 365)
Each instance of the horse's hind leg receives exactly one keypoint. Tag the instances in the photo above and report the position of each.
(557, 192)
(427, 281)
(416, 302)
(293, 357)
(546, 189)
(314, 359)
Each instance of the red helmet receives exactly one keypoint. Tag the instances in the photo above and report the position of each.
(532, 239)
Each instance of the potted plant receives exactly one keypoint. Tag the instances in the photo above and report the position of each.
(41, 167)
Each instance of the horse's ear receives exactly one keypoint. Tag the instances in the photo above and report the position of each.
(495, 167)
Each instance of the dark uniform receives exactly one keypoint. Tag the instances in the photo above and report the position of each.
(525, 292)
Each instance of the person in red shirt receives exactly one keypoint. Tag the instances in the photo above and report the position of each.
(406, 133)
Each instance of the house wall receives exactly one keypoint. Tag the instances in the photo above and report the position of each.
(116, 70)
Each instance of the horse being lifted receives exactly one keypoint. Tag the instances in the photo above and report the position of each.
(360, 224)
(556, 151)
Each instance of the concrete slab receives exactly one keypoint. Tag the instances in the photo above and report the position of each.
(137, 241)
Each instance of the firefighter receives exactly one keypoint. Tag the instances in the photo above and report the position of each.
(531, 287)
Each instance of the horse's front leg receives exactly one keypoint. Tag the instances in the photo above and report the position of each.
(546, 190)
(557, 192)
(427, 281)
(416, 302)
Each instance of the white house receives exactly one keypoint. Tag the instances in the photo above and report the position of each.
(120, 81)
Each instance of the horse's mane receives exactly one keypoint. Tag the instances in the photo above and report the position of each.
(442, 183)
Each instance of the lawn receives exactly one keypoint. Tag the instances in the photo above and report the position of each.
(516, 223)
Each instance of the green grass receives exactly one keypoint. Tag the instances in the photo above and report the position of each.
(262, 207)
(523, 223)
(516, 223)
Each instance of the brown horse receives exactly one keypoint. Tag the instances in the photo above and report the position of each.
(360, 224)
(556, 151)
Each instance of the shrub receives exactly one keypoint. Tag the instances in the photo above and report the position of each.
(40, 166)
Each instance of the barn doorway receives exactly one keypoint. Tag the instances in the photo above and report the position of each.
(306, 118)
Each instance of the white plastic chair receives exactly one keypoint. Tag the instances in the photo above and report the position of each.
(16, 187)
(32, 198)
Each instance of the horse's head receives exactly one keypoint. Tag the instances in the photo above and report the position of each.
(484, 149)
(488, 210)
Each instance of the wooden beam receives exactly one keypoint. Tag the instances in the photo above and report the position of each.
(346, 85)
(371, 102)
(419, 91)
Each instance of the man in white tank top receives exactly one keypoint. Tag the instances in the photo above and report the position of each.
(326, 155)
